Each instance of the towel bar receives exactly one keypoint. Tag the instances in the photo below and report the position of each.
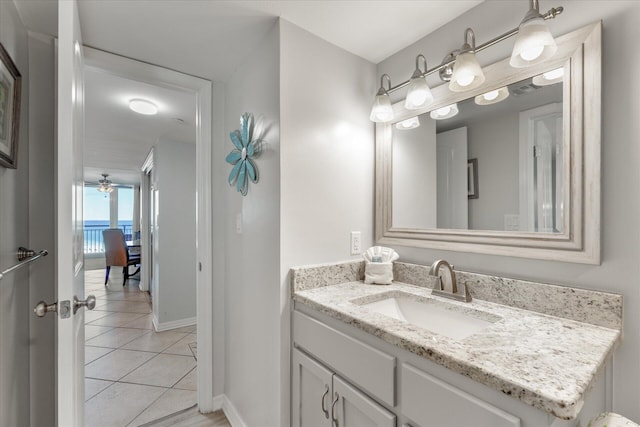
(25, 256)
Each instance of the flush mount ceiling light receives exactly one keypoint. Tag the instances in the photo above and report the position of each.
(549, 78)
(142, 106)
(492, 97)
(418, 94)
(445, 112)
(534, 44)
(410, 123)
(467, 73)
(106, 186)
(382, 111)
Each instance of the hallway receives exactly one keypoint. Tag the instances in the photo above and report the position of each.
(133, 375)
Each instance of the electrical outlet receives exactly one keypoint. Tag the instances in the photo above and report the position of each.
(356, 242)
(239, 223)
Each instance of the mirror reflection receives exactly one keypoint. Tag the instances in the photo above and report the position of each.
(492, 162)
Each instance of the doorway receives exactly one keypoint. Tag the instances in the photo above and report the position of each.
(201, 91)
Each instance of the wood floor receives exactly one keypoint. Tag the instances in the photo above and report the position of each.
(192, 418)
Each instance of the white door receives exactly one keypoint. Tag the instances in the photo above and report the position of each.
(69, 234)
(453, 192)
(541, 165)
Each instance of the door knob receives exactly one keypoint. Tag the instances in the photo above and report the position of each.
(90, 303)
(42, 308)
(62, 308)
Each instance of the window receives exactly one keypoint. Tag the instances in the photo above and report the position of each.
(106, 210)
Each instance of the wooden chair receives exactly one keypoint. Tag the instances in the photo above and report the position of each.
(117, 253)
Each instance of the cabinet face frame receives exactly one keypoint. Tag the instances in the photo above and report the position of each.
(579, 242)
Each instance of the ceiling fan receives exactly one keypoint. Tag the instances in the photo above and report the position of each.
(105, 185)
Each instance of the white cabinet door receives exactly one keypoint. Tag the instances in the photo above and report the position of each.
(354, 409)
(311, 392)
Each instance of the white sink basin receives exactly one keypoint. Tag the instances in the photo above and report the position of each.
(439, 317)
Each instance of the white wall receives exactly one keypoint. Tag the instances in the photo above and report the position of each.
(41, 225)
(327, 155)
(415, 176)
(620, 269)
(252, 259)
(174, 175)
(15, 311)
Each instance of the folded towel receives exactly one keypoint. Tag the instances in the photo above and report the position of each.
(379, 265)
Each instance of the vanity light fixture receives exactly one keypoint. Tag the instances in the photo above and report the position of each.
(419, 94)
(410, 123)
(142, 106)
(382, 111)
(467, 73)
(549, 78)
(445, 112)
(534, 44)
(492, 97)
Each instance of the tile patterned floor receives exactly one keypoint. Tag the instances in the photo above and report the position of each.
(133, 375)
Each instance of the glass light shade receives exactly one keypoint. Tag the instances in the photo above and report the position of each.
(549, 78)
(410, 123)
(444, 112)
(419, 94)
(142, 106)
(467, 73)
(105, 188)
(382, 110)
(492, 97)
(534, 44)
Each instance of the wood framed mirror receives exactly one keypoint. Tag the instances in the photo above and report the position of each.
(533, 159)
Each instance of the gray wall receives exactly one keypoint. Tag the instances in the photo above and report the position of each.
(415, 176)
(15, 313)
(174, 175)
(41, 225)
(495, 145)
(253, 257)
(620, 269)
(327, 160)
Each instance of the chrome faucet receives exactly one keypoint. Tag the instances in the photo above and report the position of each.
(439, 289)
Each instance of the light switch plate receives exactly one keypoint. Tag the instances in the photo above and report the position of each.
(356, 243)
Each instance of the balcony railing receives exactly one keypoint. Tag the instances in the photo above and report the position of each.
(93, 243)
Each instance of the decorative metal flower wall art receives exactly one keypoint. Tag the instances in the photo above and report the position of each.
(247, 148)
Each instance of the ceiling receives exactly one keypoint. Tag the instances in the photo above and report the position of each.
(117, 140)
(223, 33)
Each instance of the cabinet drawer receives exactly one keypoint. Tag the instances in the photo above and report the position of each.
(365, 366)
(429, 401)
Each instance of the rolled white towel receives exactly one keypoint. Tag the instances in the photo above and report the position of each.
(610, 419)
(379, 265)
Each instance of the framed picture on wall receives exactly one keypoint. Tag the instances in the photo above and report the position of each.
(472, 178)
(10, 91)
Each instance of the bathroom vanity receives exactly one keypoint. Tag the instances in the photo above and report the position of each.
(520, 354)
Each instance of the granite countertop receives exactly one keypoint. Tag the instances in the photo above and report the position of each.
(546, 361)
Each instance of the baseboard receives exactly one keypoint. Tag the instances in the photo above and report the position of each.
(166, 326)
(231, 412)
(218, 401)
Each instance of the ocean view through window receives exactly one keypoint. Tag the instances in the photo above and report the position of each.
(98, 212)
